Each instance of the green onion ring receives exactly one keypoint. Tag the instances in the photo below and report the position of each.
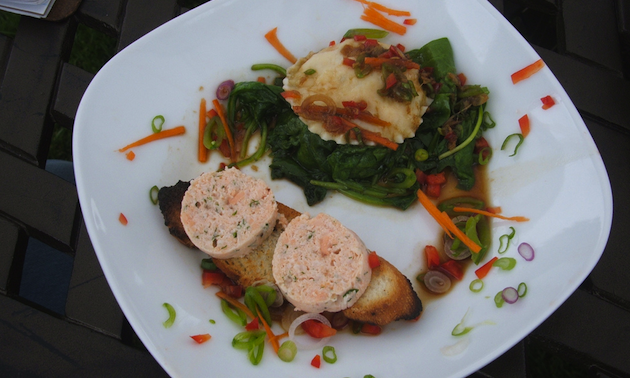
(171, 315)
(505, 240)
(287, 351)
(498, 299)
(476, 285)
(522, 289)
(505, 263)
(486, 160)
(520, 141)
(157, 127)
(329, 355)
(153, 194)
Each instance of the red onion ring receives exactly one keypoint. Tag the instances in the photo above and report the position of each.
(509, 295)
(301, 319)
(526, 250)
(224, 89)
(437, 282)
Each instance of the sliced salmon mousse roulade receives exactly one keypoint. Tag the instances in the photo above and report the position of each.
(320, 265)
(228, 213)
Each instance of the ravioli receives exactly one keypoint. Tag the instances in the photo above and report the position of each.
(324, 73)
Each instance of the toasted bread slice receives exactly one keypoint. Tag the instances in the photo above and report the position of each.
(389, 297)
(256, 266)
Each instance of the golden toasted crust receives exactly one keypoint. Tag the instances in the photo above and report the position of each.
(389, 297)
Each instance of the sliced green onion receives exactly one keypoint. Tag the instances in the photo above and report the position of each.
(171, 315)
(254, 301)
(248, 339)
(153, 194)
(476, 285)
(329, 355)
(421, 154)
(269, 66)
(408, 178)
(486, 160)
(520, 141)
(522, 289)
(460, 329)
(505, 263)
(488, 124)
(368, 33)
(208, 264)
(237, 317)
(504, 241)
(287, 351)
(470, 138)
(498, 299)
(310, 71)
(212, 321)
(157, 123)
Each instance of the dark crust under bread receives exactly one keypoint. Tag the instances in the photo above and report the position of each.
(170, 201)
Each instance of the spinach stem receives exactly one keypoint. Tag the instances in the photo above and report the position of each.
(470, 138)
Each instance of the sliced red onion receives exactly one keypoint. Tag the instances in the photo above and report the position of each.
(224, 89)
(301, 319)
(509, 295)
(526, 251)
(437, 282)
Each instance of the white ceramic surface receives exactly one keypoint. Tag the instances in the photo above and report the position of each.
(557, 179)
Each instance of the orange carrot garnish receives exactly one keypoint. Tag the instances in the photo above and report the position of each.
(202, 151)
(528, 71)
(489, 214)
(272, 337)
(272, 38)
(483, 271)
(235, 303)
(122, 219)
(384, 9)
(368, 135)
(130, 155)
(155, 136)
(373, 16)
(226, 127)
(261, 79)
(445, 222)
(523, 123)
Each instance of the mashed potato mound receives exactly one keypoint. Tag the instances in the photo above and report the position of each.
(339, 82)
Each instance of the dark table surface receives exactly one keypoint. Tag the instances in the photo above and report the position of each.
(64, 321)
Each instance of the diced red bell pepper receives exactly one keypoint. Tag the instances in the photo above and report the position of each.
(462, 78)
(359, 37)
(437, 178)
(370, 42)
(373, 260)
(401, 47)
(453, 268)
(253, 325)
(209, 278)
(548, 102)
(348, 62)
(410, 21)
(318, 329)
(433, 256)
(200, 339)
(483, 271)
(433, 190)
(371, 329)
(421, 177)
(390, 81)
(332, 43)
(316, 361)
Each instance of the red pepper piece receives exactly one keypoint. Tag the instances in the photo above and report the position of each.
(373, 260)
(316, 361)
(371, 329)
(453, 268)
(318, 329)
(548, 102)
(433, 256)
(390, 81)
(348, 62)
(200, 339)
(523, 123)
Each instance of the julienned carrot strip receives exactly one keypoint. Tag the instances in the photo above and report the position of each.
(272, 38)
(523, 123)
(272, 337)
(226, 127)
(155, 136)
(202, 151)
(373, 16)
(489, 214)
(528, 71)
(445, 221)
(384, 9)
(483, 271)
(369, 135)
(236, 304)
